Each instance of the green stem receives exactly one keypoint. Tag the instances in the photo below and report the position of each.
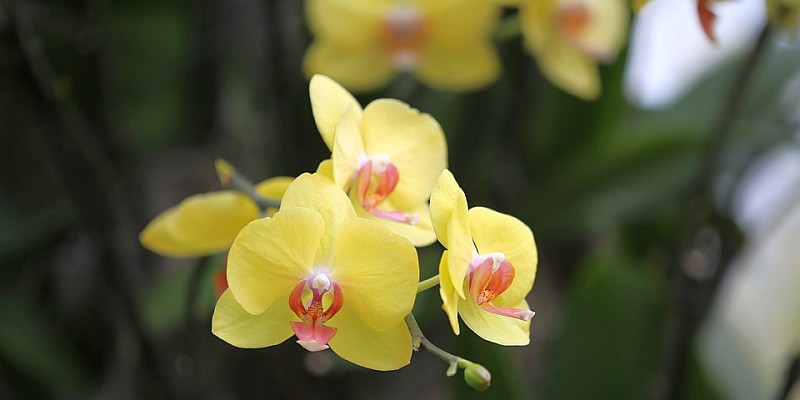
(418, 340)
(428, 283)
(230, 177)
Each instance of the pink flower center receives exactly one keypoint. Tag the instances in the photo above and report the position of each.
(404, 34)
(311, 331)
(376, 179)
(489, 277)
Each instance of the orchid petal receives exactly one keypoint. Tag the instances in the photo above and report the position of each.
(200, 225)
(348, 148)
(377, 271)
(496, 232)
(271, 255)
(319, 193)
(413, 141)
(236, 326)
(356, 342)
(496, 328)
(328, 101)
(448, 294)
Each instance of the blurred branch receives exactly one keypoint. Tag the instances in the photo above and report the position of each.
(791, 378)
(700, 250)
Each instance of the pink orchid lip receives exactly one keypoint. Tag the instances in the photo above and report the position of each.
(311, 331)
(376, 179)
(490, 276)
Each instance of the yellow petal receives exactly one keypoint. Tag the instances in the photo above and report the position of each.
(356, 342)
(451, 223)
(271, 255)
(606, 32)
(325, 168)
(358, 70)
(319, 193)
(495, 328)
(327, 18)
(274, 188)
(560, 61)
(200, 225)
(461, 68)
(156, 238)
(457, 23)
(571, 70)
(448, 294)
(496, 232)
(414, 143)
(239, 328)
(377, 271)
(328, 102)
(348, 148)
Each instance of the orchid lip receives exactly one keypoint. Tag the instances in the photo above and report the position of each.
(311, 331)
(491, 275)
(404, 34)
(375, 179)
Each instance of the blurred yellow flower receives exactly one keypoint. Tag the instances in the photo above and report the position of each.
(488, 268)
(363, 44)
(387, 157)
(568, 37)
(207, 223)
(317, 271)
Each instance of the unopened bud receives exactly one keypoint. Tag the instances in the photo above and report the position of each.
(224, 171)
(478, 377)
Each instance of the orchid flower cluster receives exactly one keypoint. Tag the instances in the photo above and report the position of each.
(448, 44)
(330, 257)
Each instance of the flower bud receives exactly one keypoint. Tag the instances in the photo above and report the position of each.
(478, 377)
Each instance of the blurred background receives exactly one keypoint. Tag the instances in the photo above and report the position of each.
(666, 211)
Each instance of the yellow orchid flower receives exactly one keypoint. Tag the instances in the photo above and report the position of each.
(207, 223)
(387, 157)
(488, 268)
(568, 37)
(446, 43)
(317, 271)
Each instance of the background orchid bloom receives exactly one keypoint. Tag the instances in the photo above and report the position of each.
(207, 223)
(387, 157)
(317, 271)
(488, 268)
(445, 43)
(568, 37)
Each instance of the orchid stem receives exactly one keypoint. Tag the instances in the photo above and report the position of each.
(230, 177)
(428, 283)
(418, 340)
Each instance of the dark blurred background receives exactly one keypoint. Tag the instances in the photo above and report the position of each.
(113, 111)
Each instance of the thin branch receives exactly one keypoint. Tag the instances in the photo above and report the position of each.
(791, 378)
(230, 177)
(428, 283)
(476, 375)
(692, 292)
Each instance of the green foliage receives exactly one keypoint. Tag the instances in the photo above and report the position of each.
(610, 339)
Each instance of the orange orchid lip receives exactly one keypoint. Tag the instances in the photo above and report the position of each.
(489, 277)
(404, 34)
(376, 179)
